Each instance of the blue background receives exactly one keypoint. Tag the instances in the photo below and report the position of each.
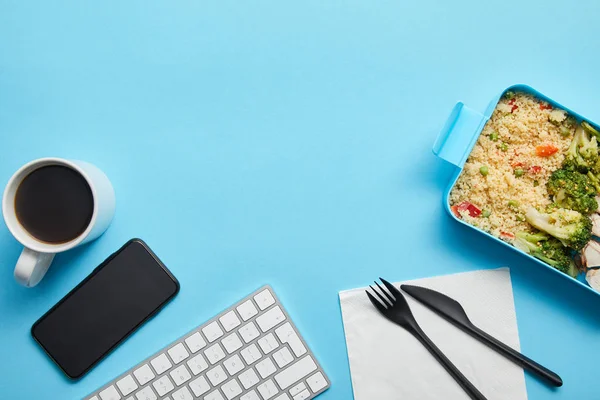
(279, 142)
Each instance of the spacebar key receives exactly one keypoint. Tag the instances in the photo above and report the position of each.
(296, 372)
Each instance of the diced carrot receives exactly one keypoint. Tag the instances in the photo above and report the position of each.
(535, 169)
(507, 235)
(454, 209)
(514, 108)
(545, 106)
(546, 150)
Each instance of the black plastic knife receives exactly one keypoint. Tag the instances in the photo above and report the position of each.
(452, 311)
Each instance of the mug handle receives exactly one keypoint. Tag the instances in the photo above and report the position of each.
(32, 266)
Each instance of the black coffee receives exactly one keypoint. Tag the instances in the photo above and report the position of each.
(54, 204)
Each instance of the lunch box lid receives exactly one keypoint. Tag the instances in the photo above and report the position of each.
(459, 134)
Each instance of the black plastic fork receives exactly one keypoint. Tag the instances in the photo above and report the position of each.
(394, 307)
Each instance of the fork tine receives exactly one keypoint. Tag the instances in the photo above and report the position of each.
(391, 298)
(385, 301)
(375, 302)
(397, 294)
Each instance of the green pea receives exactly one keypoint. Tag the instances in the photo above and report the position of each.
(503, 146)
(494, 136)
(519, 172)
(513, 203)
(483, 170)
(486, 213)
(509, 95)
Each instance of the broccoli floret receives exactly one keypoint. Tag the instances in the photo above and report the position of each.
(574, 183)
(582, 154)
(594, 175)
(529, 242)
(590, 129)
(584, 205)
(554, 253)
(548, 249)
(594, 180)
(572, 190)
(572, 228)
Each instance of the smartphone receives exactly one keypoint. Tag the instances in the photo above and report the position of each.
(110, 304)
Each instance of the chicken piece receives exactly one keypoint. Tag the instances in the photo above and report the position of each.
(590, 255)
(590, 258)
(593, 278)
(595, 224)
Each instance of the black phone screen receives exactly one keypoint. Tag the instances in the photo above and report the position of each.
(106, 307)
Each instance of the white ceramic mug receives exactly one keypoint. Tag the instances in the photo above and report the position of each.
(37, 255)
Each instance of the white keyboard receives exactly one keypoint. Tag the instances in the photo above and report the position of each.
(251, 351)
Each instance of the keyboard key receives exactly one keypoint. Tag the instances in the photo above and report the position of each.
(214, 395)
(180, 375)
(231, 389)
(161, 363)
(146, 394)
(230, 321)
(251, 395)
(199, 386)
(233, 364)
(271, 318)
(288, 335)
(302, 396)
(265, 367)
(195, 342)
(283, 357)
(297, 389)
(143, 374)
(249, 332)
(264, 299)
(163, 385)
(178, 353)
(212, 331)
(295, 372)
(268, 343)
(216, 375)
(214, 353)
(110, 393)
(251, 354)
(126, 385)
(197, 364)
(282, 397)
(316, 382)
(267, 389)
(247, 310)
(231, 343)
(248, 378)
(182, 394)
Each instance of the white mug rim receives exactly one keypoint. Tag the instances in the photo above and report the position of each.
(18, 231)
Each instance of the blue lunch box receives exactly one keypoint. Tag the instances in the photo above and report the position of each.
(457, 139)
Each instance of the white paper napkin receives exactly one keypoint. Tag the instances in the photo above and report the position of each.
(388, 363)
